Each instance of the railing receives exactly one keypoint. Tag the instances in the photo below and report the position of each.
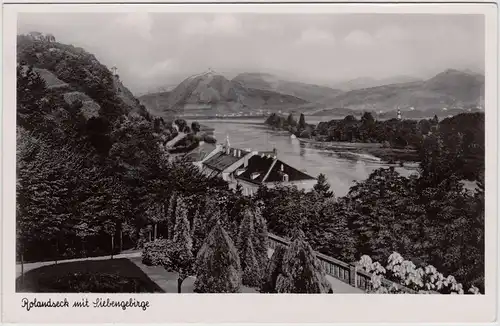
(347, 273)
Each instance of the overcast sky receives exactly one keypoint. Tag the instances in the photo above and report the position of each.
(159, 49)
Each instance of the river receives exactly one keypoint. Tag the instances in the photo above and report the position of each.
(341, 168)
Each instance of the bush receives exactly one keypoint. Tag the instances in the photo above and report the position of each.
(163, 252)
(154, 253)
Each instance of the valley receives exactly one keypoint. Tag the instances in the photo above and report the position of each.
(258, 94)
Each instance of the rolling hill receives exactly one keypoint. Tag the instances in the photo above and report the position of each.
(309, 92)
(367, 82)
(76, 75)
(451, 88)
(210, 93)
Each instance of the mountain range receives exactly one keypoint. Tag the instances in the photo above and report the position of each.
(211, 93)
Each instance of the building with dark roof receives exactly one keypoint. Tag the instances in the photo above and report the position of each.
(225, 162)
(264, 169)
(245, 167)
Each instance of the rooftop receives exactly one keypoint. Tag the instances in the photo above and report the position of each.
(267, 168)
(200, 152)
(223, 160)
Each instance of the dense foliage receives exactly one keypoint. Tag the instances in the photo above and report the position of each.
(301, 271)
(114, 186)
(218, 267)
(456, 141)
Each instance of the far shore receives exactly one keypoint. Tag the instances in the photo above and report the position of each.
(386, 154)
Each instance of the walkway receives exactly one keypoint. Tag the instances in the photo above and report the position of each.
(30, 266)
(168, 280)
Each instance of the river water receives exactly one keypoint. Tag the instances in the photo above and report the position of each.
(341, 168)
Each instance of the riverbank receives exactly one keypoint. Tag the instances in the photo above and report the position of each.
(386, 154)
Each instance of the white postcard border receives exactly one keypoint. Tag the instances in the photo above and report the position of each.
(175, 308)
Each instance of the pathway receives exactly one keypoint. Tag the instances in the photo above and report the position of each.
(30, 266)
(168, 280)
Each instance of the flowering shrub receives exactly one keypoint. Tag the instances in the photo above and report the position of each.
(404, 272)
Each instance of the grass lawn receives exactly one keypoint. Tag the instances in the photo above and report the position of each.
(98, 276)
(168, 280)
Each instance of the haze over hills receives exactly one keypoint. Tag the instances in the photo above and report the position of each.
(309, 92)
(451, 88)
(211, 93)
(368, 82)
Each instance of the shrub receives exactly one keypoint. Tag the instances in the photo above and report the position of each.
(155, 252)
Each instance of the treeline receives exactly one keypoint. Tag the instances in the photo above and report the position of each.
(83, 185)
(460, 138)
(96, 186)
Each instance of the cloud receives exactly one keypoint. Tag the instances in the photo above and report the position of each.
(358, 37)
(139, 23)
(222, 24)
(391, 34)
(318, 36)
(158, 69)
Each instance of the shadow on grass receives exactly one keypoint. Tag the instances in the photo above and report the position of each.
(92, 276)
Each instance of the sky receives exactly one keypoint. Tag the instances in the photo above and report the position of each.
(156, 50)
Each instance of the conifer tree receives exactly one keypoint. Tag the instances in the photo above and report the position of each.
(248, 259)
(252, 272)
(322, 187)
(182, 234)
(301, 270)
(302, 122)
(170, 218)
(182, 257)
(291, 121)
(273, 270)
(260, 238)
(218, 264)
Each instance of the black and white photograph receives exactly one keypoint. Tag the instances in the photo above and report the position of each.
(251, 152)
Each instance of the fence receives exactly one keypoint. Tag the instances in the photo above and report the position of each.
(348, 273)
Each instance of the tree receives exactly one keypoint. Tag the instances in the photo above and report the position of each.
(44, 196)
(31, 98)
(248, 260)
(261, 237)
(218, 264)
(182, 234)
(181, 258)
(302, 122)
(274, 268)
(291, 121)
(322, 187)
(301, 270)
(195, 127)
(435, 120)
(170, 218)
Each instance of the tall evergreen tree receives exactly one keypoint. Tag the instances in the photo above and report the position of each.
(274, 268)
(170, 218)
(322, 187)
(260, 238)
(218, 264)
(181, 257)
(182, 234)
(301, 270)
(291, 121)
(248, 260)
(302, 122)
